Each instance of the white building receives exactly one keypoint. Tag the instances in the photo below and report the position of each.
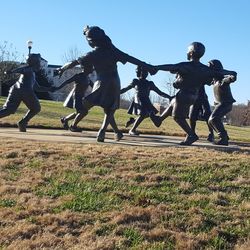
(61, 94)
(55, 80)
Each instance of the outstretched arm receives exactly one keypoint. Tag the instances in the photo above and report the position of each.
(71, 79)
(146, 66)
(66, 66)
(123, 90)
(173, 68)
(159, 92)
(136, 61)
(123, 57)
(40, 88)
(20, 70)
(229, 77)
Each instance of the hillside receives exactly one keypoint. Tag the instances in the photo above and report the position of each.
(51, 112)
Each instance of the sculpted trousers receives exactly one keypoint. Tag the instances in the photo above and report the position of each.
(15, 97)
(215, 119)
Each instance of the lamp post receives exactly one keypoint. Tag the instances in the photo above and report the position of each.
(29, 43)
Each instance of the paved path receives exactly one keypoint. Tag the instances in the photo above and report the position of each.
(89, 137)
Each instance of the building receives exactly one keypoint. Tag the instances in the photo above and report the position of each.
(50, 71)
(54, 80)
(62, 93)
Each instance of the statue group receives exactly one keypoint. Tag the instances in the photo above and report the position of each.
(191, 77)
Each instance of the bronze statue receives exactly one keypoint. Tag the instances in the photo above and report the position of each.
(23, 90)
(75, 97)
(223, 100)
(141, 104)
(106, 90)
(201, 110)
(190, 77)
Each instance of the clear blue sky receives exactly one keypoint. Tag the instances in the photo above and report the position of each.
(156, 31)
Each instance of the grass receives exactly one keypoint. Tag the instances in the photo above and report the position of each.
(72, 196)
(7, 203)
(51, 112)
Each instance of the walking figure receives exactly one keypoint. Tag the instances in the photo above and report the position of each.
(191, 76)
(141, 104)
(23, 91)
(106, 90)
(223, 100)
(75, 98)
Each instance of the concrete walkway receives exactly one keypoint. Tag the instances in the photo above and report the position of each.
(89, 137)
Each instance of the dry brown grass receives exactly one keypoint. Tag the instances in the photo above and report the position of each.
(185, 198)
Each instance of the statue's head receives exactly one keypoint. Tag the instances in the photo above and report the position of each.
(141, 72)
(215, 64)
(34, 61)
(95, 36)
(195, 51)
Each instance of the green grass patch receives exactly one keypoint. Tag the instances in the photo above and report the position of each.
(12, 171)
(7, 203)
(134, 238)
(52, 111)
(34, 163)
(87, 196)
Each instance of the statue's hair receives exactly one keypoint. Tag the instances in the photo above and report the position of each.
(215, 64)
(33, 58)
(97, 35)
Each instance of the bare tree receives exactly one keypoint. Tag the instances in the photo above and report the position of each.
(8, 61)
(169, 89)
(247, 115)
(169, 86)
(8, 52)
(240, 115)
(72, 54)
(126, 99)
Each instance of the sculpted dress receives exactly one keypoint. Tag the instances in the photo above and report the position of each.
(74, 98)
(106, 89)
(141, 104)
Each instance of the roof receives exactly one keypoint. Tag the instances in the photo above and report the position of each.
(43, 59)
(54, 66)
